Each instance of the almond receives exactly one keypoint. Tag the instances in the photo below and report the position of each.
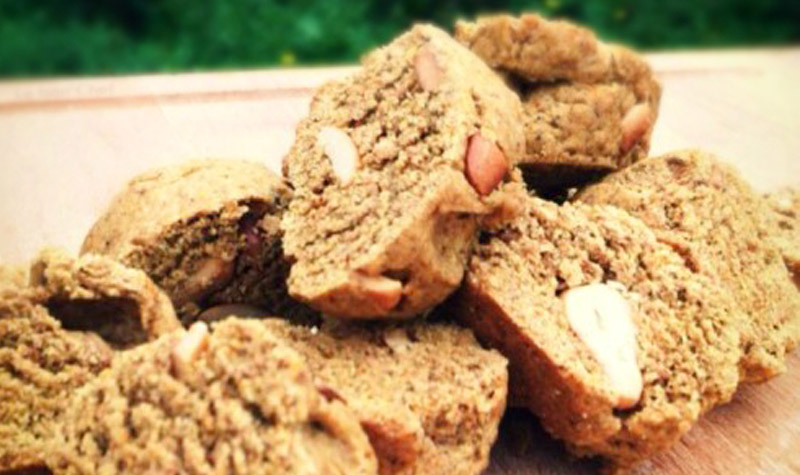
(430, 73)
(384, 292)
(601, 317)
(340, 150)
(635, 124)
(486, 165)
(194, 341)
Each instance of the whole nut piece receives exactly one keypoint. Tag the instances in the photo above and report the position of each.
(211, 274)
(194, 341)
(635, 124)
(340, 150)
(429, 72)
(601, 317)
(486, 165)
(385, 293)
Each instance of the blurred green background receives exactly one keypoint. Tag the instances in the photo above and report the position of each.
(76, 37)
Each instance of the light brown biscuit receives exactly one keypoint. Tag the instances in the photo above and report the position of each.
(392, 169)
(41, 364)
(429, 397)
(613, 341)
(589, 106)
(703, 209)
(97, 294)
(234, 401)
(206, 231)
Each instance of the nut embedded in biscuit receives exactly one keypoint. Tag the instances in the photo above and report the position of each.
(189, 347)
(384, 292)
(429, 73)
(340, 150)
(212, 273)
(601, 318)
(635, 124)
(486, 165)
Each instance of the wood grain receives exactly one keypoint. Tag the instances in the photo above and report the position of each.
(67, 145)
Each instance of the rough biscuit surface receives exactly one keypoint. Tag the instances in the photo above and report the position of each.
(206, 231)
(97, 294)
(242, 403)
(429, 397)
(589, 106)
(686, 330)
(41, 364)
(785, 205)
(704, 210)
(431, 133)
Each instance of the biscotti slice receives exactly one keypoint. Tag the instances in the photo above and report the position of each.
(613, 341)
(206, 231)
(391, 170)
(41, 364)
(233, 401)
(589, 106)
(710, 215)
(429, 397)
(785, 205)
(97, 294)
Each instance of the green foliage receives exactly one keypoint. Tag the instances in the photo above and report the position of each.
(62, 37)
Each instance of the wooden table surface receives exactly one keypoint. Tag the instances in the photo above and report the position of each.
(67, 145)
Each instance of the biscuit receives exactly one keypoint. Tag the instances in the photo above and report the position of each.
(429, 397)
(392, 169)
(589, 106)
(613, 341)
(785, 205)
(703, 209)
(206, 231)
(234, 401)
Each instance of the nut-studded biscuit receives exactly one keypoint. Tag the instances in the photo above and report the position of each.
(391, 170)
(589, 106)
(429, 397)
(206, 231)
(613, 341)
(234, 401)
(703, 209)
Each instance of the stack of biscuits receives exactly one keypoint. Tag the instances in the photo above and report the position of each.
(464, 224)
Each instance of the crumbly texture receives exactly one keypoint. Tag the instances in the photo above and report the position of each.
(429, 397)
(576, 93)
(408, 214)
(246, 404)
(206, 231)
(687, 331)
(785, 205)
(704, 210)
(41, 364)
(97, 294)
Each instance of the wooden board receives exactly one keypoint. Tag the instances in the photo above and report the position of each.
(67, 145)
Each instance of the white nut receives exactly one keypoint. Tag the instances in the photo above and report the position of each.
(397, 340)
(429, 72)
(194, 341)
(221, 312)
(340, 150)
(601, 317)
